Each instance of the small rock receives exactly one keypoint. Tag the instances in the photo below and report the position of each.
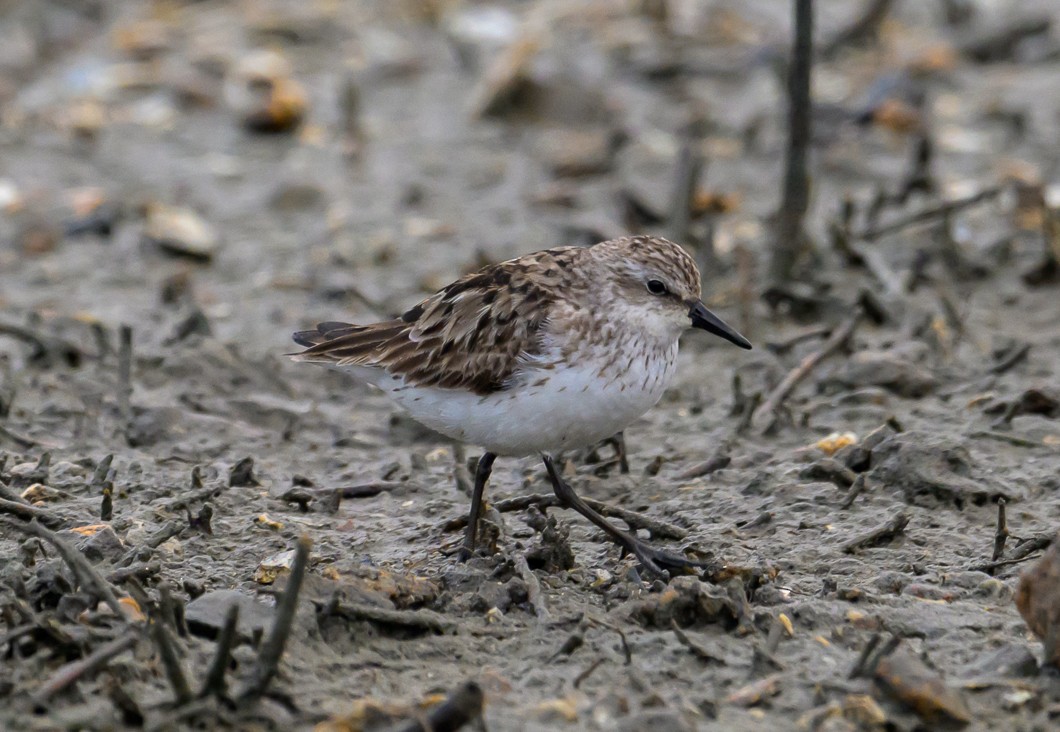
(1012, 660)
(656, 720)
(569, 153)
(930, 467)
(906, 678)
(1038, 600)
(102, 544)
(205, 614)
(264, 95)
(480, 32)
(686, 601)
(180, 232)
(242, 474)
(273, 566)
(506, 78)
(886, 369)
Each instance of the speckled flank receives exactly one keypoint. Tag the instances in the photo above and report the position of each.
(551, 350)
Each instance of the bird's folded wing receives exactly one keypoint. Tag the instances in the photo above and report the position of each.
(475, 334)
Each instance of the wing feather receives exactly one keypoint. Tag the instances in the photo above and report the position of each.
(475, 334)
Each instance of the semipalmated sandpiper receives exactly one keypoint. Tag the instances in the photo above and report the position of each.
(550, 351)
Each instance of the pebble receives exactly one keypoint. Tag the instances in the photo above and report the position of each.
(205, 614)
(181, 232)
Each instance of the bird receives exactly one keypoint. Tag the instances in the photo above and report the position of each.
(551, 351)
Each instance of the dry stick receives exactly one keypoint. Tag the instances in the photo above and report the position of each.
(167, 651)
(689, 168)
(28, 512)
(463, 705)
(214, 684)
(22, 441)
(860, 667)
(943, 209)
(627, 652)
(854, 491)
(533, 588)
(125, 356)
(272, 648)
(84, 667)
(698, 650)
(865, 27)
(1001, 533)
(659, 529)
(880, 535)
(80, 566)
(1012, 359)
(716, 462)
(1021, 553)
(789, 233)
(588, 672)
(426, 619)
(795, 376)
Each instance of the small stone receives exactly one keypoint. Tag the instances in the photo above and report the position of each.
(906, 678)
(886, 369)
(569, 153)
(180, 232)
(102, 544)
(930, 467)
(205, 614)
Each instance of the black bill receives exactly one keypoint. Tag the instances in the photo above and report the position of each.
(708, 321)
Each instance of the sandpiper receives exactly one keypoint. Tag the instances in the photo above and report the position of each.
(550, 351)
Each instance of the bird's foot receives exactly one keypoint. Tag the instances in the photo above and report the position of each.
(661, 564)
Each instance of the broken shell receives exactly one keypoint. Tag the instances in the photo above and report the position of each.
(180, 232)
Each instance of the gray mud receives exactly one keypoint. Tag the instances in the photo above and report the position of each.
(390, 188)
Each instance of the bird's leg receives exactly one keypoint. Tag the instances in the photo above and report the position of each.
(618, 441)
(653, 560)
(482, 475)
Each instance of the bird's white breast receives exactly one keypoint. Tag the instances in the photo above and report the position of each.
(570, 402)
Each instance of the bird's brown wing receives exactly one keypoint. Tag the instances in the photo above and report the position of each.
(474, 334)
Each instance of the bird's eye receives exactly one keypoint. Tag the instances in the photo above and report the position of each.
(656, 287)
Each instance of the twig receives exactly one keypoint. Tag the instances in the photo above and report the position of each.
(171, 661)
(697, 649)
(84, 667)
(81, 567)
(1023, 552)
(854, 491)
(941, 210)
(272, 648)
(865, 27)
(463, 705)
(125, 356)
(424, 619)
(1011, 359)
(1006, 437)
(658, 529)
(783, 390)
(214, 683)
(689, 167)
(627, 652)
(790, 235)
(1001, 533)
(533, 588)
(22, 441)
(716, 462)
(44, 346)
(28, 512)
(588, 672)
(880, 535)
